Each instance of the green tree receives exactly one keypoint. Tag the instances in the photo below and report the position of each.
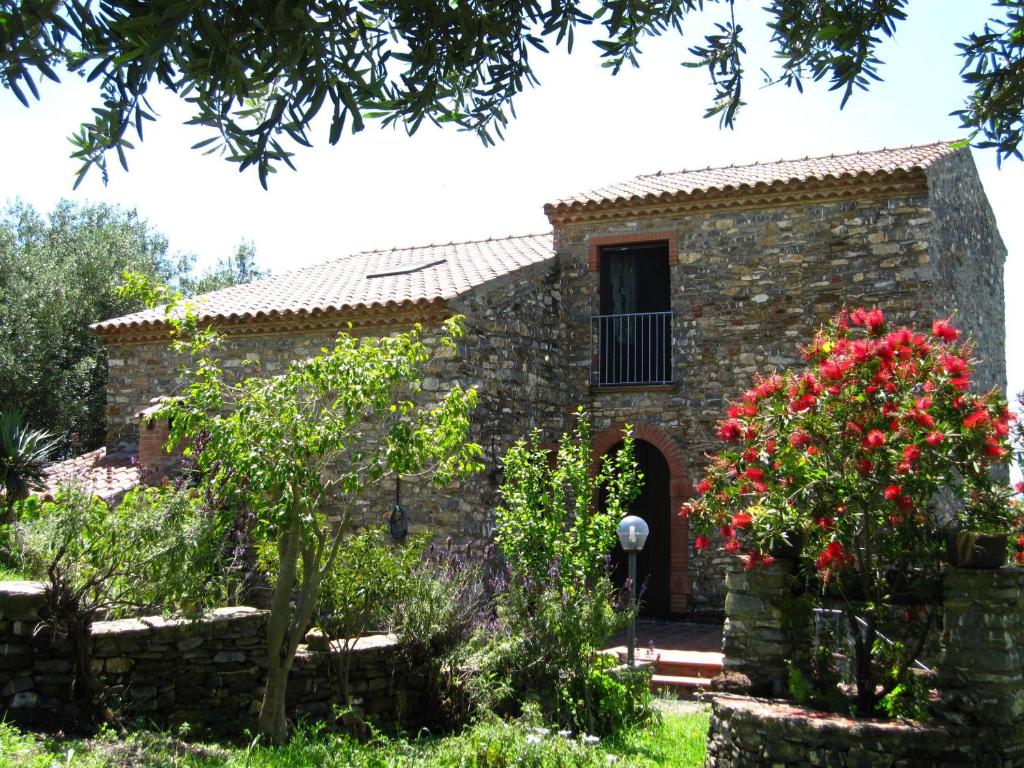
(236, 269)
(57, 276)
(258, 73)
(326, 430)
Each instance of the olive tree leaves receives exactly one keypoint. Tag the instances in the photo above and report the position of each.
(259, 73)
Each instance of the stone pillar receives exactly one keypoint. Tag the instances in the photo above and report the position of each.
(759, 638)
(980, 678)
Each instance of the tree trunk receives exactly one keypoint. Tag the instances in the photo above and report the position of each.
(273, 724)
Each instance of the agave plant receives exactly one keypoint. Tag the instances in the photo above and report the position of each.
(24, 454)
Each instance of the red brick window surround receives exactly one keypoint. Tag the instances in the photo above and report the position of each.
(596, 242)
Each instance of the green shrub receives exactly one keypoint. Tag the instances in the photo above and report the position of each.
(554, 603)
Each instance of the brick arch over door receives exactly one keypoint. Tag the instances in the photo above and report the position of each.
(679, 491)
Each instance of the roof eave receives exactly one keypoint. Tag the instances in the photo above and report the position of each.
(780, 193)
(390, 315)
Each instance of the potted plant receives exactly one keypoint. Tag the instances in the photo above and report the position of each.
(868, 455)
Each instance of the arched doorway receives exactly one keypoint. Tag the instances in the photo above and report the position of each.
(669, 451)
(653, 562)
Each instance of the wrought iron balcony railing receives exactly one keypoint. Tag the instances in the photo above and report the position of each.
(631, 350)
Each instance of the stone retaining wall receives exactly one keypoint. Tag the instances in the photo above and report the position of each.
(757, 733)
(208, 673)
(977, 721)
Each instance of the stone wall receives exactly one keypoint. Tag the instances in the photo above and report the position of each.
(967, 259)
(749, 288)
(511, 353)
(208, 673)
(756, 733)
(977, 720)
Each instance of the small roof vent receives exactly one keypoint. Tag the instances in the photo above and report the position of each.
(407, 269)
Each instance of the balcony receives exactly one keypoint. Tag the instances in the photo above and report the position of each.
(631, 350)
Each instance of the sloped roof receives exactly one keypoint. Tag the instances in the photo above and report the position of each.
(398, 278)
(737, 178)
(107, 474)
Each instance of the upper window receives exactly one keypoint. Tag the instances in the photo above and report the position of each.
(634, 279)
(632, 335)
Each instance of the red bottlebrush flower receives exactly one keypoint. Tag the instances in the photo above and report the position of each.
(994, 449)
(802, 403)
(943, 330)
(905, 503)
(754, 474)
(1019, 558)
(865, 466)
(976, 419)
(1020, 541)
(954, 365)
(852, 429)
(1001, 427)
(923, 403)
(1019, 487)
(751, 396)
(924, 419)
(875, 439)
(703, 486)
(702, 542)
(686, 509)
(741, 520)
(832, 555)
(733, 411)
(894, 424)
(874, 319)
(961, 383)
(770, 446)
(727, 532)
(730, 430)
(958, 402)
(892, 492)
(911, 453)
(825, 523)
(732, 545)
(750, 455)
(798, 439)
(812, 450)
(904, 467)
(831, 370)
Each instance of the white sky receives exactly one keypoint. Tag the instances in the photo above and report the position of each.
(580, 129)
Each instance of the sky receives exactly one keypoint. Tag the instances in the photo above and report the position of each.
(581, 128)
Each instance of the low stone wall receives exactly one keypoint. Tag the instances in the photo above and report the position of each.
(757, 733)
(977, 722)
(208, 673)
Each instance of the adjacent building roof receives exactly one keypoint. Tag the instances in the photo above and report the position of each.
(108, 475)
(744, 179)
(383, 282)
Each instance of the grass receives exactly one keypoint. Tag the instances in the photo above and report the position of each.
(676, 739)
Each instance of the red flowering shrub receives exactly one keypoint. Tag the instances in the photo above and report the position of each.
(850, 457)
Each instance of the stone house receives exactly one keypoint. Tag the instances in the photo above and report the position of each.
(650, 303)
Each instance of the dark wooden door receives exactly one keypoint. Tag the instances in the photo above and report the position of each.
(653, 564)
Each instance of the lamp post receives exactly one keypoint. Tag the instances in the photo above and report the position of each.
(632, 532)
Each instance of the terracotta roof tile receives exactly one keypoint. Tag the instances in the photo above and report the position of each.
(739, 177)
(398, 277)
(103, 474)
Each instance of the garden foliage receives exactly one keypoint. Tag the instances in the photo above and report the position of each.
(554, 602)
(864, 459)
(284, 446)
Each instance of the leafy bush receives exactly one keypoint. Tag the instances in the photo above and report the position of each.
(103, 563)
(435, 618)
(857, 458)
(554, 602)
